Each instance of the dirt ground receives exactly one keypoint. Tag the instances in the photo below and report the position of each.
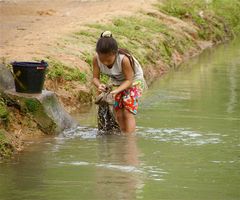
(29, 27)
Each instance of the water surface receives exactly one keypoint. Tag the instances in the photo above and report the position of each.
(186, 146)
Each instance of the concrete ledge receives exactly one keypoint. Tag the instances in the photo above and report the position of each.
(45, 108)
(6, 78)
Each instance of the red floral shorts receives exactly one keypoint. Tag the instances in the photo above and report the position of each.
(128, 99)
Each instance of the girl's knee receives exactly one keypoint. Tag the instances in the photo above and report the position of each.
(127, 113)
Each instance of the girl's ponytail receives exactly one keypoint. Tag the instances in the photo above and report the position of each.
(129, 56)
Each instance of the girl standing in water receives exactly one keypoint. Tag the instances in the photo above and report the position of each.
(126, 75)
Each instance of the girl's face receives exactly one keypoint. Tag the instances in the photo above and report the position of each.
(107, 59)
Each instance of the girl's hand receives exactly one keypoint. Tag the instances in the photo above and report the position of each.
(102, 87)
(113, 93)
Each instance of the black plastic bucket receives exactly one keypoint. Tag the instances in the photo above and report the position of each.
(29, 76)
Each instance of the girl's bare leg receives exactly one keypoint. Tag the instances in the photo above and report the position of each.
(120, 119)
(129, 121)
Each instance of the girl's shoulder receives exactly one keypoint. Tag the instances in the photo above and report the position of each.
(125, 60)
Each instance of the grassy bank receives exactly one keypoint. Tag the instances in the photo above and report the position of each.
(14, 124)
(215, 19)
(160, 39)
(211, 16)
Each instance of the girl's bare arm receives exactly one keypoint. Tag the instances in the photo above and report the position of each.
(96, 75)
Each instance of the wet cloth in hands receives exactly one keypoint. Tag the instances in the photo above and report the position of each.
(107, 124)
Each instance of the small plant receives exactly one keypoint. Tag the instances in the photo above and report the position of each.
(87, 57)
(32, 105)
(74, 74)
(86, 33)
(104, 78)
(6, 149)
(4, 114)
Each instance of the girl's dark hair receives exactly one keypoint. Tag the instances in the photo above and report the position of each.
(128, 54)
(107, 44)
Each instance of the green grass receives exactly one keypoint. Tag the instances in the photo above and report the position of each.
(57, 70)
(104, 79)
(4, 114)
(229, 11)
(215, 19)
(87, 57)
(32, 105)
(6, 149)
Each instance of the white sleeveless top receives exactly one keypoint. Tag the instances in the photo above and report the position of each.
(116, 73)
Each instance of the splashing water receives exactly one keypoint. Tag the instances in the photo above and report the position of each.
(107, 124)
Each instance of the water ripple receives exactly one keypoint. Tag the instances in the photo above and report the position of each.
(82, 132)
(179, 135)
(151, 172)
(155, 173)
(77, 163)
(124, 168)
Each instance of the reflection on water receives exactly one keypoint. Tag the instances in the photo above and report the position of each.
(232, 103)
(186, 146)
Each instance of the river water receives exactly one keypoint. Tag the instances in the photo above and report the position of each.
(186, 146)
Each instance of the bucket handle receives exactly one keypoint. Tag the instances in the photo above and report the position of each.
(16, 79)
